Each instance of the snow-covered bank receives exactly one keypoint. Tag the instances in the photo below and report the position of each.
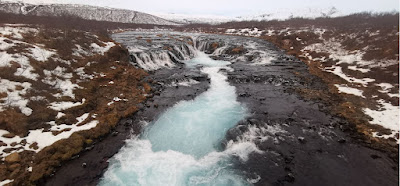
(355, 73)
(50, 82)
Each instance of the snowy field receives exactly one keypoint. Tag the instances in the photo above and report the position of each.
(17, 91)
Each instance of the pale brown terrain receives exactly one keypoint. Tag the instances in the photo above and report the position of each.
(66, 88)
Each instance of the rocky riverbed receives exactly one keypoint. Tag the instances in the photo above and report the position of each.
(303, 143)
(298, 141)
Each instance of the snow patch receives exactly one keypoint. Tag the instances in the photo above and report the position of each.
(40, 54)
(254, 32)
(355, 68)
(81, 73)
(5, 45)
(116, 99)
(79, 51)
(387, 136)
(337, 52)
(61, 82)
(387, 115)
(43, 138)
(386, 88)
(349, 90)
(25, 69)
(15, 91)
(187, 19)
(60, 115)
(5, 182)
(96, 48)
(15, 32)
(60, 106)
(337, 70)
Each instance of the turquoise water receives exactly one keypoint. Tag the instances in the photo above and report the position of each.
(180, 147)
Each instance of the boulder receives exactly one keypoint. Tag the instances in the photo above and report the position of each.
(301, 139)
(13, 157)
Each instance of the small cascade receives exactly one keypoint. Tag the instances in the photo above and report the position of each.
(185, 51)
(154, 60)
(208, 46)
(219, 51)
(167, 57)
(170, 55)
(154, 50)
(201, 45)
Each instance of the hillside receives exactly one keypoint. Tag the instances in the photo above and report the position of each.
(310, 13)
(83, 11)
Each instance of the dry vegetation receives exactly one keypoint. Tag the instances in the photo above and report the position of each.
(61, 34)
(354, 33)
(105, 77)
(69, 22)
(375, 35)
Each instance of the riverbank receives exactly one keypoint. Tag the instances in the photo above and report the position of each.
(60, 91)
(356, 56)
(297, 138)
(303, 143)
(89, 166)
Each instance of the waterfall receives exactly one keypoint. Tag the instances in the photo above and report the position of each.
(171, 50)
(167, 57)
(172, 54)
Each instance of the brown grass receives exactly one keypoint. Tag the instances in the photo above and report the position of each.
(97, 92)
(70, 22)
(345, 106)
(14, 121)
(382, 46)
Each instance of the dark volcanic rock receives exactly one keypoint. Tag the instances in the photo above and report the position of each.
(88, 167)
(315, 151)
(299, 143)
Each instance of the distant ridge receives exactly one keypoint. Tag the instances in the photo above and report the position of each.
(283, 14)
(83, 11)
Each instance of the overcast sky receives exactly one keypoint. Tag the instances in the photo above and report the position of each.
(235, 7)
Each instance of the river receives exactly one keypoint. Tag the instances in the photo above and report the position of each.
(183, 146)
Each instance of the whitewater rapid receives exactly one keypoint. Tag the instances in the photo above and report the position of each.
(183, 146)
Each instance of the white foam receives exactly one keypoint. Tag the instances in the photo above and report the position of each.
(138, 164)
(185, 82)
(179, 147)
(154, 61)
